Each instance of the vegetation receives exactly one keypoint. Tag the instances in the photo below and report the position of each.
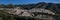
(6, 16)
(50, 6)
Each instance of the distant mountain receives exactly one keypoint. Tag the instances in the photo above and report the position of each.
(50, 6)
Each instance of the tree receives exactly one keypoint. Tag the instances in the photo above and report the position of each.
(2, 5)
(10, 6)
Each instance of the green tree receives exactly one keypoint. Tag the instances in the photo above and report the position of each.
(10, 6)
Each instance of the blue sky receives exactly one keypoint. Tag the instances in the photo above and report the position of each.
(27, 1)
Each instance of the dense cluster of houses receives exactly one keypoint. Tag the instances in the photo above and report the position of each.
(23, 12)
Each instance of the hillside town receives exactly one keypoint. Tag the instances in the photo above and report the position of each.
(39, 11)
(22, 12)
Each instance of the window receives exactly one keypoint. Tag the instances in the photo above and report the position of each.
(21, 13)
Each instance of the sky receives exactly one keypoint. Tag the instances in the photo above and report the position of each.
(27, 1)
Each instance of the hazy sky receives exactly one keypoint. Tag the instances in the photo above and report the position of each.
(27, 1)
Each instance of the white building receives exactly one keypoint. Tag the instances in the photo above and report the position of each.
(44, 17)
(18, 11)
(41, 10)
